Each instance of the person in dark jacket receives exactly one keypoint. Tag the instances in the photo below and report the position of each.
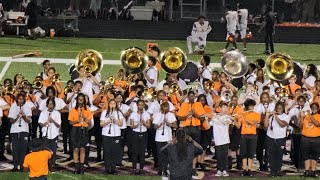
(32, 14)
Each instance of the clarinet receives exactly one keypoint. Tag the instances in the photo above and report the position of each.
(165, 121)
(20, 117)
(48, 125)
(140, 133)
(111, 118)
(192, 115)
(81, 117)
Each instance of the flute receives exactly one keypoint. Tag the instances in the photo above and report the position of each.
(81, 118)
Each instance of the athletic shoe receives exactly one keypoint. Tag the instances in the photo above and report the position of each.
(219, 173)
(194, 173)
(250, 173)
(244, 173)
(306, 174)
(225, 174)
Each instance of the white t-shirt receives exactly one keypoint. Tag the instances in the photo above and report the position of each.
(182, 84)
(60, 104)
(278, 132)
(201, 28)
(232, 20)
(73, 101)
(2, 102)
(310, 80)
(87, 87)
(244, 16)
(260, 86)
(158, 119)
(155, 107)
(14, 112)
(221, 130)
(261, 108)
(251, 78)
(115, 129)
(145, 116)
(53, 130)
(153, 74)
(125, 108)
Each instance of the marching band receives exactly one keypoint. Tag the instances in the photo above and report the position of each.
(251, 109)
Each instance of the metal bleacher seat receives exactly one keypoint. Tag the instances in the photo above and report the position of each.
(141, 13)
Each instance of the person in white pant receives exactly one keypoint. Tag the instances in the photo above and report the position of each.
(199, 33)
(232, 22)
(243, 23)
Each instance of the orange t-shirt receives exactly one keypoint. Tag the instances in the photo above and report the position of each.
(308, 128)
(184, 110)
(37, 163)
(120, 83)
(251, 116)
(209, 112)
(216, 86)
(31, 98)
(174, 101)
(103, 102)
(293, 88)
(237, 111)
(10, 100)
(74, 116)
(46, 82)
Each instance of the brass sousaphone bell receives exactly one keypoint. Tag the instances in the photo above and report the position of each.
(133, 60)
(279, 67)
(173, 60)
(91, 60)
(234, 64)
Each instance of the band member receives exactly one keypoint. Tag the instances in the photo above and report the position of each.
(296, 114)
(250, 93)
(276, 123)
(232, 21)
(311, 75)
(204, 72)
(50, 121)
(80, 118)
(37, 161)
(139, 121)
(248, 123)
(269, 22)
(243, 22)
(163, 122)
(265, 106)
(4, 123)
(292, 86)
(180, 153)
(46, 64)
(199, 33)
(221, 138)
(260, 81)
(20, 118)
(51, 93)
(155, 52)
(310, 140)
(151, 73)
(191, 113)
(111, 120)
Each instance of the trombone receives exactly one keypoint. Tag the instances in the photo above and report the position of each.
(24, 83)
(209, 85)
(174, 87)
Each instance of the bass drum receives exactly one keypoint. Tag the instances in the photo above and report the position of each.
(190, 72)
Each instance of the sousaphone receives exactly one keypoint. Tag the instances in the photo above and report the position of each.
(279, 67)
(91, 60)
(234, 64)
(173, 60)
(133, 60)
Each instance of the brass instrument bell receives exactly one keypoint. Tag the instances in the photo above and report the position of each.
(37, 84)
(226, 95)
(173, 60)
(174, 87)
(56, 78)
(279, 67)
(68, 89)
(110, 80)
(9, 90)
(91, 60)
(209, 85)
(134, 60)
(103, 86)
(234, 64)
(24, 83)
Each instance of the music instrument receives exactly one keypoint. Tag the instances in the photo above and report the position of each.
(24, 83)
(9, 90)
(56, 78)
(133, 60)
(190, 73)
(37, 84)
(149, 93)
(103, 86)
(81, 118)
(226, 95)
(110, 80)
(111, 118)
(308, 95)
(165, 121)
(68, 89)
(279, 67)
(140, 132)
(234, 64)
(48, 124)
(209, 85)
(283, 92)
(173, 60)
(20, 114)
(174, 87)
(91, 60)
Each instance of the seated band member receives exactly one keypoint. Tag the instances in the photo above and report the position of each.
(140, 121)
(80, 118)
(310, 140)
(248, 123)
(180, 153)
(111, 120)
(190, 113)
(199, 33)
(50, 121)
(163, 122)
(20, 118)
(37, 161)
(276, 123)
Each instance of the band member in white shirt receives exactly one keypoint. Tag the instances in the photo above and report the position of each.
(51, 93)
(111, 121)
(232, 21)
(204, 72)
(199, 33)
(20, 118)
(163, 122)
(50, 121)
(46, 64)
(243, 22)
(140, 122)
(276, 123)
(151, 73)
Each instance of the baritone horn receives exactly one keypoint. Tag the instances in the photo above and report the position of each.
(90, 60)
(133, 60)
(279, 67)
(234, 64)
(173, 60)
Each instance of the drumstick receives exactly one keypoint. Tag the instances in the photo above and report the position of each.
(30, 54)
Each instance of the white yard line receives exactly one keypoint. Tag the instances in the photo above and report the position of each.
(68, 176)
(4, 69)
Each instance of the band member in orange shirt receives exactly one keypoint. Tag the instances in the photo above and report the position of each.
(310, 140)
(248, 124)
(292, 87)
(190, 113)
(80, 118)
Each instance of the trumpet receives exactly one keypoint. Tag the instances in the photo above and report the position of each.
(68, 89)
(9, 90)
(209, 85)
(24, 83)
(283, 92)
(103, 86)
(37, 84)
(149, 93)
(110, 80)
(56, 78)
(174, 88)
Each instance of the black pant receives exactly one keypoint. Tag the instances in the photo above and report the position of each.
(222, 157)
(261, 145)
(163, 160)
(296, 151)
(194, 132)
(52, 145)
(34, 127)
(96, 131)
(66, 130)
(129, 141)
(19, 148)
(122, 143)
(275, 153)
(269, 40)
(4, 130)
(139, 147)
(111, 148)
(151, 144)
